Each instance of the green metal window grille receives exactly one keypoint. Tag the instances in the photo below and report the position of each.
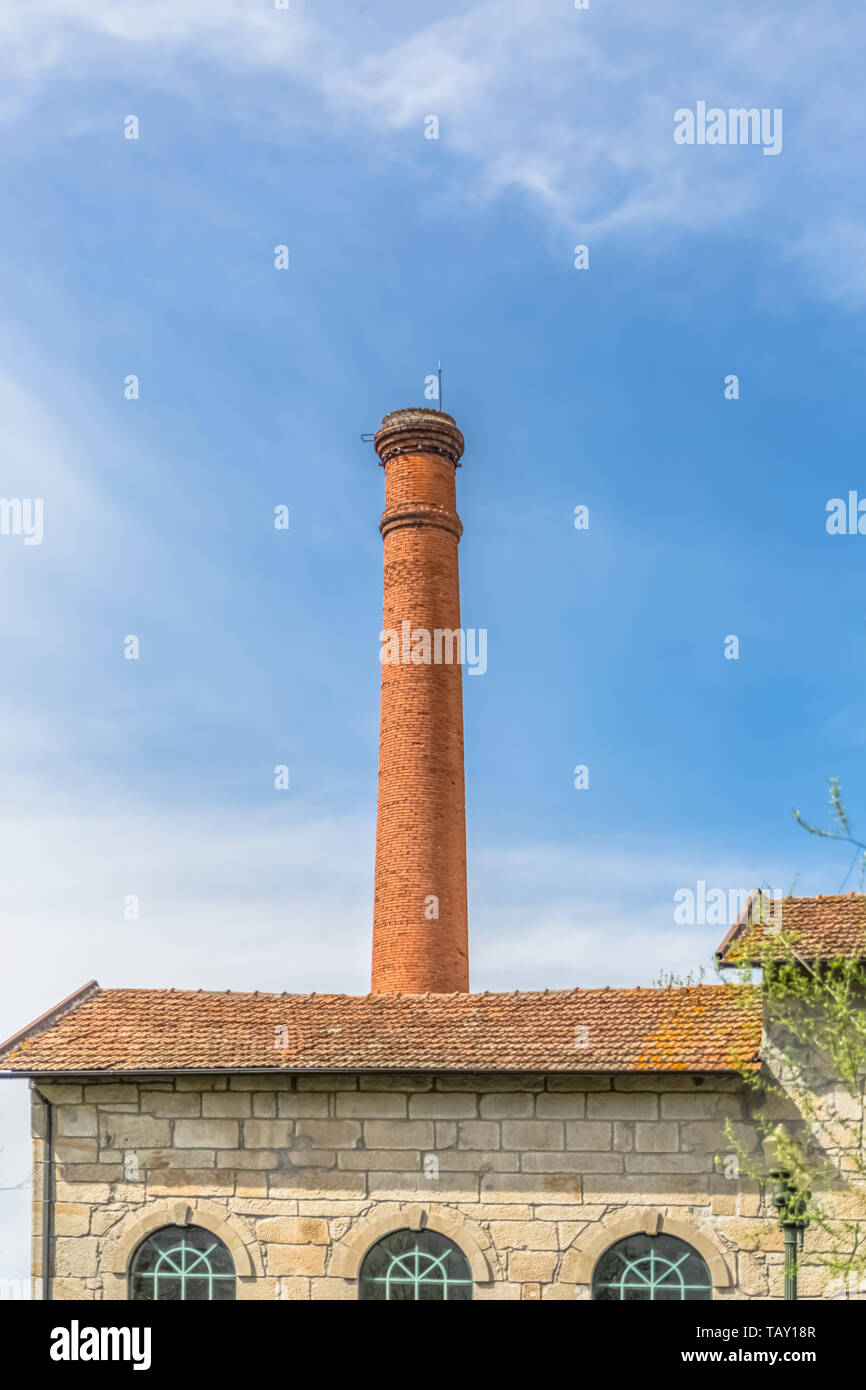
(417, 1266)
(182, 1264)
(651, 1269)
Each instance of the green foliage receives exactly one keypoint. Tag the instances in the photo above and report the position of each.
(809, 1095)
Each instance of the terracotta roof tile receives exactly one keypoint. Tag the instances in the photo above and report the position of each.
(821, 928)
(696, 1028)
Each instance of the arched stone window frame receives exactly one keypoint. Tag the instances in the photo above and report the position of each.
(582, 1255)
(121, 1244)
(349, 1254)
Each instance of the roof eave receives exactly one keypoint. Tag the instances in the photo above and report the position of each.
(105, 1074)
(51, 1016)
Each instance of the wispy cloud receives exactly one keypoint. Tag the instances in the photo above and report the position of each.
(571, 110)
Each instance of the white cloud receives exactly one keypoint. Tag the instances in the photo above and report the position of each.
(572, 110)
(60, 32)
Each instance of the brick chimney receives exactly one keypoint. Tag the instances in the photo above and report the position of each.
(420, 932)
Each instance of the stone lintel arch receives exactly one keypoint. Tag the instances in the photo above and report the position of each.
(349, 1254)
(125, 1238)
(580, 1259)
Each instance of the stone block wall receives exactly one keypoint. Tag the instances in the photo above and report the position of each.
(532, 1176)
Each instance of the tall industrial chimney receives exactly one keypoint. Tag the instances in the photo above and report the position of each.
(420, 932)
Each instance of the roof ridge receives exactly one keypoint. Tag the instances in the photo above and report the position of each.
(381, 998)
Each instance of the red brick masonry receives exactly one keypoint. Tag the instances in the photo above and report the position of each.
(420, 929)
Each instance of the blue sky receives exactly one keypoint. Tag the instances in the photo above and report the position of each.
(602, 387)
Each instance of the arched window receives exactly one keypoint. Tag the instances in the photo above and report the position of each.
(422, 1266)
(182, 1263)
(651, 1269)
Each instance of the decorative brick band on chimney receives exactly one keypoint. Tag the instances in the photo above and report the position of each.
(420, 930)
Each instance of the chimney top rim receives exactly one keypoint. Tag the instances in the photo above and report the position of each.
(416, 429)
(414, 410)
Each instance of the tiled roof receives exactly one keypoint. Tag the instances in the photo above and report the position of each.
(696, 1028)
(820, 928)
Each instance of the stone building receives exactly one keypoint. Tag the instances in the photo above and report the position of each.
(421, 1141)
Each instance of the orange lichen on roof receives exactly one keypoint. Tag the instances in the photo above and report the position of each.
(701, 1028)
(822, 928)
